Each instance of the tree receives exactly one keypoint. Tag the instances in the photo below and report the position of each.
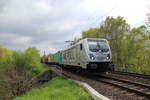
(92, 33)
(148, 19)
(135, 44)
(32, 54)
(114, 28)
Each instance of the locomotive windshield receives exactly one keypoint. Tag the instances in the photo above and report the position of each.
(95, 46)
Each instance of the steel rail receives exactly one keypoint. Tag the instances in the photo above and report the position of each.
(124, 84)
(132, 74)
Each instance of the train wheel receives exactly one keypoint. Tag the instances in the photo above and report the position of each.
(78, 70)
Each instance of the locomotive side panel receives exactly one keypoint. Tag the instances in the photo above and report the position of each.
(88, 54)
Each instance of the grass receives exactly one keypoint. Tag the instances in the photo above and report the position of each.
(57, 89)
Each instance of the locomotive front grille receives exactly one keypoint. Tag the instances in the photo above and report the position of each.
(101, 57)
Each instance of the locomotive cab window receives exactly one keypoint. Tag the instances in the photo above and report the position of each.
(96, 46)
(81, 47)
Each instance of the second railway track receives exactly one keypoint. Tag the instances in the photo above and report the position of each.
(131, 86)
(132, 74)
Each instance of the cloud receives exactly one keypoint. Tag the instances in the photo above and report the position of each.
(47, 24)
(14, 40)
(133, 11)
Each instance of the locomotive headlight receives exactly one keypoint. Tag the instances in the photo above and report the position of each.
(108, 56)
(92, 56)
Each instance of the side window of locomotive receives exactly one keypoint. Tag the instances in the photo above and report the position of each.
(81, 47)
(65, 55)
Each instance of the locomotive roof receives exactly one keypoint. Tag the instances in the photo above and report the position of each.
(82, 41)
(95, 39)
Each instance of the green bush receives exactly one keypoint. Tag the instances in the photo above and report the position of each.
(18, 71)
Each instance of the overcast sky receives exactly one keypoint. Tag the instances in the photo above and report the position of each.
(47, 24)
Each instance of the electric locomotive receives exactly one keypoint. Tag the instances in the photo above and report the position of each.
(89, 54)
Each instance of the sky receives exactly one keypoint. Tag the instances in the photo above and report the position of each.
(48, 24)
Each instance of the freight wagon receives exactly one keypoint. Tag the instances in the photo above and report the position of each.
(48, 59)
(58, 58)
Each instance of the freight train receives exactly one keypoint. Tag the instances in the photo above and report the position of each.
(92, 54)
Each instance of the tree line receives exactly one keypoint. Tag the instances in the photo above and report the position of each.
(130, 46)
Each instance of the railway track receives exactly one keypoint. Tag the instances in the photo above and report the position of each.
(111, 86)
(132, 74)
(134, 87)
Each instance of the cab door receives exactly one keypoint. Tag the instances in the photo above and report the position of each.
(77, 55)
